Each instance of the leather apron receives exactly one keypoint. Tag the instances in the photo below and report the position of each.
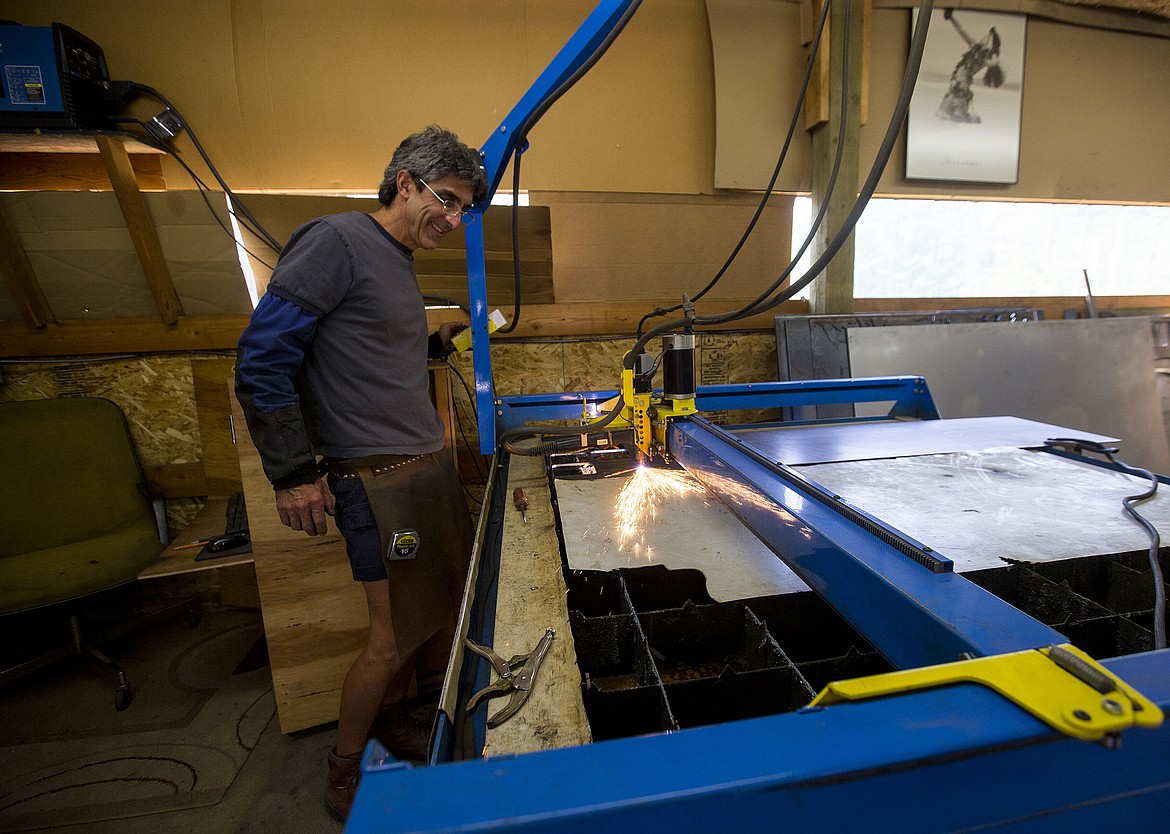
(426, 536)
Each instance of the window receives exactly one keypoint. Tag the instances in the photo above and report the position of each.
(945, 249)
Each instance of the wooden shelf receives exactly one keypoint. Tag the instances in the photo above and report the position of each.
(38, 140)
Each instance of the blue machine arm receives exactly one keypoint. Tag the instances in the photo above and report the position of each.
(586, 45)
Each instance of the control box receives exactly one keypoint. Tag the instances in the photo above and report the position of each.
(52, 77)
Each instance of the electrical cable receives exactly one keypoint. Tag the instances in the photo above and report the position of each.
(204, 190)
(475, 415)
(1130, 502)
(810, 65)
(913, 62)
(239, 206)
(763, 302)
(511, 325)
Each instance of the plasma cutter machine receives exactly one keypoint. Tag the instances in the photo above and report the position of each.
(931, 625)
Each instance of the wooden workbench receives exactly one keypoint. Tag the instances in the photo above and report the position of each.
(532, 597)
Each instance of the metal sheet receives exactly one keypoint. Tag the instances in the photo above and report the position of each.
(978, 508)
(689, 530)
(1095, 375)
(867, 441)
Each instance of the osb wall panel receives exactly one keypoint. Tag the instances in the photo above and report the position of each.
(156, 393)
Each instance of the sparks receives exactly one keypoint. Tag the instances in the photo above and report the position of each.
(638, 500)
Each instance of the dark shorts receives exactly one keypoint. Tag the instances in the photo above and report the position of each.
(355, 521)
(434, 513)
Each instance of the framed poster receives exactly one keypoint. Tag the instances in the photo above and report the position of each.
(964, 119)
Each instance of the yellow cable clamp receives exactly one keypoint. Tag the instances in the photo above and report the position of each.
(1060, 685)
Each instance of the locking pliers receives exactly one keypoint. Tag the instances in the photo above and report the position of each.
(516, 677)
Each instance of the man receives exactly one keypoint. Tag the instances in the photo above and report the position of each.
(333, 365)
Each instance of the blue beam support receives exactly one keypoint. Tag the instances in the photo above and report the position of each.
(509, 139)
(908, 395)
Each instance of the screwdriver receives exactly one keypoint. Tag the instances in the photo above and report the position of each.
(520, 499)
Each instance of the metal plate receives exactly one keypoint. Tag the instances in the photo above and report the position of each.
(690, 530)
(979, 508)
(869, 441)
(1096, 375)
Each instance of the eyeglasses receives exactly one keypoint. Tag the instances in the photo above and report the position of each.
(451, 208)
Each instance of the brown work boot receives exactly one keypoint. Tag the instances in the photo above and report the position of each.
(402, 734)
(341, 785)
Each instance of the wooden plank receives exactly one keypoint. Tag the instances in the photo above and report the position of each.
(816, 101)
(142, 232)
(68, 141)
(22, 281)
(74, 172)
(567, 319)
(193, 333)
(130, 335)
(832, 291)
(212, 379)
(532, 597)
(315, 617)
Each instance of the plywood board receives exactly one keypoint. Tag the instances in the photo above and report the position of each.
(682, 530)
(1094, 375)
(531, 597)
(315, 619)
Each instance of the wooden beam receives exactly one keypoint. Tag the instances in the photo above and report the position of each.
(204, 333)
(76, 337)
(74, 172)
(154, 264)
(832, 291)
(22, 281)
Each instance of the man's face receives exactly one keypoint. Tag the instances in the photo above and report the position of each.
(428, 222)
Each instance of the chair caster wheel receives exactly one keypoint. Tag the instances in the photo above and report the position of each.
(121, 698)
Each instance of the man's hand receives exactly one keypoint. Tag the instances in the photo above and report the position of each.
(304, 507)
(448, 329)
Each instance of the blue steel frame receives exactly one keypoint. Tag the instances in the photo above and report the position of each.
(603, 22)
(947, 759)
(908, 395)
(955, 757)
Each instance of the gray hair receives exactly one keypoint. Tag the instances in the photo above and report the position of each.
(432, 154)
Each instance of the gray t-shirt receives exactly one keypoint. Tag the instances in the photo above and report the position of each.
(363, 385)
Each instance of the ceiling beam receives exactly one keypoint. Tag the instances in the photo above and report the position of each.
(142, 232)
(18, 274)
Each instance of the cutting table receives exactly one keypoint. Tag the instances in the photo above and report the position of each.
(872, 625)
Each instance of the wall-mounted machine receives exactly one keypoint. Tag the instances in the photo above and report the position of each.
(52, 77)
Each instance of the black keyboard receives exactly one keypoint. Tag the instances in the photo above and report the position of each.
(237, 514)
(235, 538)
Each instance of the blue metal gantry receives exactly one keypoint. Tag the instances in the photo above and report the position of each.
(948, 755)
(952, 755)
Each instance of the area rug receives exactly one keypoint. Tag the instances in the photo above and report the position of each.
(202, 698)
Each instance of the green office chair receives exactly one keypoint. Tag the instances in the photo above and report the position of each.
(75, 516)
